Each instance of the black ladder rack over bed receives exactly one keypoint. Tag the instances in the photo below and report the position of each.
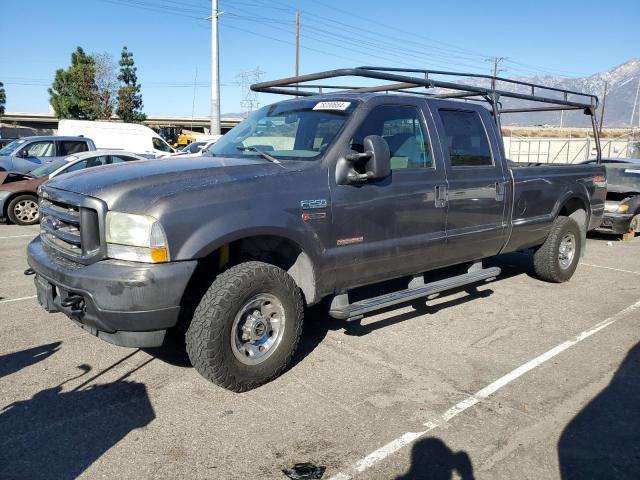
(419, 82)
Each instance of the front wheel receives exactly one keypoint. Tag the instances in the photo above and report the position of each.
(557, 258)
(23, 210)
(247, 326)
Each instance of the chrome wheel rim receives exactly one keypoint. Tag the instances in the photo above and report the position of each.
(258, 329)
(567, 250)
(26, 211)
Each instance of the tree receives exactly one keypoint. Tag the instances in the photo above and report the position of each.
(129, 96)
(3, 99)
(74, 93)
(106, 83)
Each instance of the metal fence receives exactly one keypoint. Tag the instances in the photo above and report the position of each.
(566, 150)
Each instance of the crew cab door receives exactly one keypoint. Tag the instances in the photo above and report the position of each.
(477, 190)
(392, 226)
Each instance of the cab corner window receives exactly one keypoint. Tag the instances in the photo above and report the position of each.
(402, 128)
(465, 139)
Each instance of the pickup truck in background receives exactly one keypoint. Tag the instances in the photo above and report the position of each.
(24, 154)
(307, 199)
(622, 208)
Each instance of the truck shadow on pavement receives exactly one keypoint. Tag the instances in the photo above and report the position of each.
(603, 440)
(59, 434)
(432, 459)
(14, 362)
(318, 322)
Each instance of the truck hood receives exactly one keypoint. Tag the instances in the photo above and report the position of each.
(136, 186)
(20, 182)
(623, 178)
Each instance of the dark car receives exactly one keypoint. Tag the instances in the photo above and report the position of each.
(18, 191)
(622, 208)
(307, 199)
(593, 161)
(6, 141)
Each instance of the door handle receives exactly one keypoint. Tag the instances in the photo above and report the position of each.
(500, 187)
(442, 196)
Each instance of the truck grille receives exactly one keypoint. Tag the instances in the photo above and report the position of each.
(72, 225)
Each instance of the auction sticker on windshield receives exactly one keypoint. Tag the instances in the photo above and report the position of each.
(332, 106)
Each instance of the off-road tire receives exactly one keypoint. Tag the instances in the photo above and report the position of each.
(208, 339)
(11, 214)
(545, 260)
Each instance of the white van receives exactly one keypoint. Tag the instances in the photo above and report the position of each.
(131, 137)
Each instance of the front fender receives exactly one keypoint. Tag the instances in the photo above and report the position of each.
(6, 164)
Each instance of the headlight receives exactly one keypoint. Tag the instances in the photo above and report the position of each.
(623, 208)
(139, 238)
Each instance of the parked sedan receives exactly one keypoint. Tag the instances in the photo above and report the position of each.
(18, 191)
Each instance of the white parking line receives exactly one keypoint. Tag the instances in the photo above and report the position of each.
(19, 236)
(610, 268)
(410, 437)
(8, 300)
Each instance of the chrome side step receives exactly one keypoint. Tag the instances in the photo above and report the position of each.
(357, 309)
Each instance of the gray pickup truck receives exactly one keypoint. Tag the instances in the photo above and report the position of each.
(307, 199)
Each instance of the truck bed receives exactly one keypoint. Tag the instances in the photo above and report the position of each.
(540, 189)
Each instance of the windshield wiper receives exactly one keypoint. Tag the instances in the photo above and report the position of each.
(262, 153)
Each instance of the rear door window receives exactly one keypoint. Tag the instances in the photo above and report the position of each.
(465, 139)
(88, 163)
(68, 147)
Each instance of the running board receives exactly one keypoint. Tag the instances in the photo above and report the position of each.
(357, 309)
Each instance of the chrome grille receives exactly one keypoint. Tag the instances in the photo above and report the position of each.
(72, 225)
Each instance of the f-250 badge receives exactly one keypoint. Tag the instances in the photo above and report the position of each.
(309, 204)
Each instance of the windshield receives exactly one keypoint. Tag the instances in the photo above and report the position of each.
(292, 130)
(10, 147)
(48, 168)
(160, 144)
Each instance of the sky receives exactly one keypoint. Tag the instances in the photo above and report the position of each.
(171, 41)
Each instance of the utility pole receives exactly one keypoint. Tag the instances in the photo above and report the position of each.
(604, 102)
(635, 104)
(297, 43)
(496, 61)
(215, 71)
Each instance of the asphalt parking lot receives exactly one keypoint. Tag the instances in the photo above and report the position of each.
(517, 379)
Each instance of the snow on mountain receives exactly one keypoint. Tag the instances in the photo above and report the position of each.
(622, 81)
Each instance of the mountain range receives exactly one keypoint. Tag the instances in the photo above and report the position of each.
(622, 80)
(622, 87)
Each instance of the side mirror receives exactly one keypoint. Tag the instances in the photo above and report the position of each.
(374, 163)
(22, 154)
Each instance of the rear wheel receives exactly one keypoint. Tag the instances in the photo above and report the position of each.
(24, 210)
(557, 258)
(247, 326)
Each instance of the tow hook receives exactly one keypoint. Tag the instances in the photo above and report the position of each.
(72, 301)
(29, 271)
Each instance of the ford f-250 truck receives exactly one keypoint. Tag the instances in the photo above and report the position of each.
(308, 198)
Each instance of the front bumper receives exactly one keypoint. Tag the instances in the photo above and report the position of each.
(618, 223)
(125, 303)
(3, 200)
